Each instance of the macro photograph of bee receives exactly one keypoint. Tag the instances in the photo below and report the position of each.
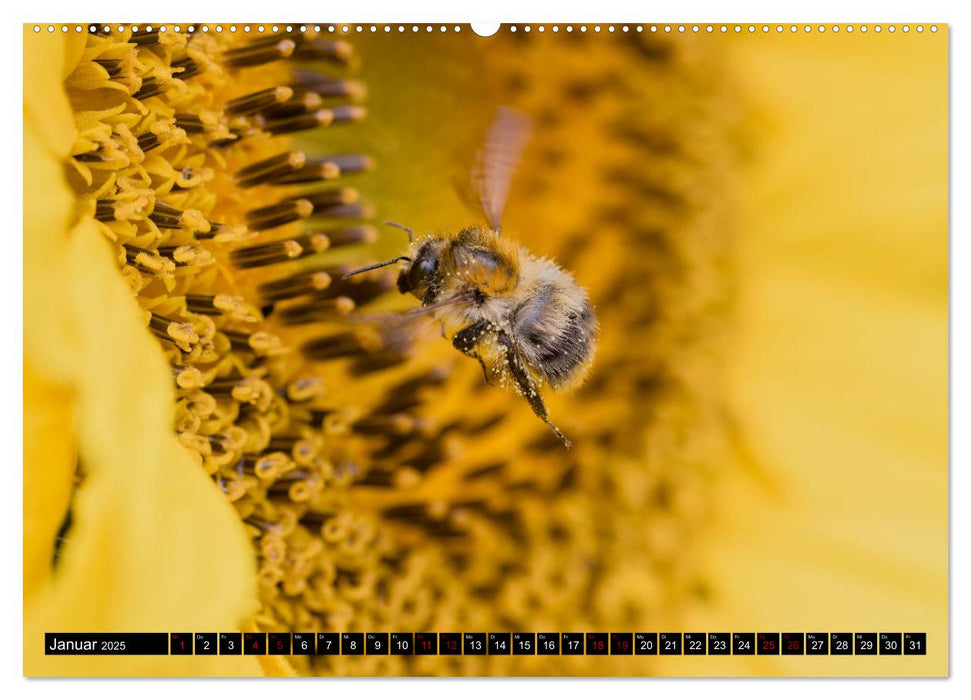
(524, 318)
(390, 336)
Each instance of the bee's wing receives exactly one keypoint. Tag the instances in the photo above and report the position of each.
(496, 162)
(398, 331)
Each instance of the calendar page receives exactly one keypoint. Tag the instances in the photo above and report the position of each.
(543, 349)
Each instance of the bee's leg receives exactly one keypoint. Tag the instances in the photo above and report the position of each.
(528, 387)
(485, 372)
(467, 340)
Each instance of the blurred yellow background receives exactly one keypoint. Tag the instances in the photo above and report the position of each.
(840, 373)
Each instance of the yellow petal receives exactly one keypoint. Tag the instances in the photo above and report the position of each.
(89, 76)
(74, 43)
(170, 551)
(48, 209)
(46, 57)
(276, 667)
(49, 452)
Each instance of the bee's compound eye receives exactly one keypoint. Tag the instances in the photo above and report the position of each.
(424, 267)
(422, 271)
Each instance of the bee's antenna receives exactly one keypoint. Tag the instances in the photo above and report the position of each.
(375, 266)
(411, 234)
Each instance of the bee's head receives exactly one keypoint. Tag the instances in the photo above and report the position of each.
(422, 276)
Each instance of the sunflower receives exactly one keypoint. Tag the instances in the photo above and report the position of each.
(217, 438)
(226, 432)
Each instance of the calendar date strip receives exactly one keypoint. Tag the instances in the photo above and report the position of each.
(490, 643)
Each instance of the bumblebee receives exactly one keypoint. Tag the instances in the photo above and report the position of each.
(524, 318)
